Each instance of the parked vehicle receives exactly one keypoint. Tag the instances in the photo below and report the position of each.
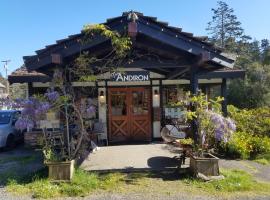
(9, 135)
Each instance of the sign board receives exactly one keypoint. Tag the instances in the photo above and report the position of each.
(130, 76)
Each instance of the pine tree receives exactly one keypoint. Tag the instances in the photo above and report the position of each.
(265, 48)
(224, 26)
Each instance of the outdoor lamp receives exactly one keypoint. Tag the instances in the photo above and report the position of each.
(101, 94)
(156, 93)
(101, 98)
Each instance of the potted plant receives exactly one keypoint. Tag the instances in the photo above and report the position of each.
(60, 166)
(61, 97)
(211, 128)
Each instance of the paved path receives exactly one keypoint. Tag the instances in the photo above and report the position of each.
(154, 156)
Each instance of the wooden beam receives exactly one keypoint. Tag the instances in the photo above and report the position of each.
(223, 74)
(178, 72)
(152, 64)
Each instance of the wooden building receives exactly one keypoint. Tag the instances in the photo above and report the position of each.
(167, 62)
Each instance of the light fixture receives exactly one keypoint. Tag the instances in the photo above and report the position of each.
(156, 93)
(101, 94)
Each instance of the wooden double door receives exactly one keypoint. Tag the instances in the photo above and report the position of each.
(129, 114)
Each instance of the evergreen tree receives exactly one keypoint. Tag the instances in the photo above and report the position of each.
(224, 26)
(265, 47)
(253, 56)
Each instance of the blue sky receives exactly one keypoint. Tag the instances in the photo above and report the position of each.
(29, 25)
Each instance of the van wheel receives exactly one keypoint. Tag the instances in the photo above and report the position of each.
(10, 142)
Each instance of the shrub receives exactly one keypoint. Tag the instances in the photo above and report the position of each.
(246, 145)
(253, 121)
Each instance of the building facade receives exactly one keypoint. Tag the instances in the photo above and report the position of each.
(135, 103)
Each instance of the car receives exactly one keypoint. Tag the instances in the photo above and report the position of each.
(9, 135)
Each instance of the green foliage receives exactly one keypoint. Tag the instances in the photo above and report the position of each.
(252, 136)
(82, 184)
(50, 156)
(254, 90)
(206, 127)
(253, 56)
(224, 27)
(186, 141)
(121, 44)
(263, 158)
(253, 121)
(235, 181)
(86, 64)
(85, 183)
(18, 90)
(246, 145)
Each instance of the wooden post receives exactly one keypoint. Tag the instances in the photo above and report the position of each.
(224, 95)
(194, 84)
(30, 90)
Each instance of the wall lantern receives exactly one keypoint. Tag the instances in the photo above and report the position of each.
(156, 93)
(101, 94)
(101, 98)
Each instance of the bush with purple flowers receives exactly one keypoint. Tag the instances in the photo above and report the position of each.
(213, 128)
(52, 95)
(33, 110)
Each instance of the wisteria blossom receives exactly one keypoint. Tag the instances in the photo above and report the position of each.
(91, 110)
(52, 95)
(33, 110)
(223, 127)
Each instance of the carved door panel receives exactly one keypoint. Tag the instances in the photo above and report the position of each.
(129, 114)
(140, 115)
(118, 115)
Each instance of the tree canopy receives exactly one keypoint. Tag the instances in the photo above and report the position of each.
(252, 55)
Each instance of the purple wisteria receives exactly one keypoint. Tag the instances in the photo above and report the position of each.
(223, 127)
(91, 110)
(33, 111)
(52, 95)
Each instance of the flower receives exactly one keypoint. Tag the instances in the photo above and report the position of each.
(91, 109)
(52, 95)
(223, 127)
(24, 123)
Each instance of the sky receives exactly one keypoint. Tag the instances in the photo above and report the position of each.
(29, 25)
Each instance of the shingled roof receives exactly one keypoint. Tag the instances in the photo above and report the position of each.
(22, 75)
(146, 25)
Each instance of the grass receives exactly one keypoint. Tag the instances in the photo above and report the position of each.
(263, 159)
(21, 159)
(82, 184)
(235, 181)
(166, 183)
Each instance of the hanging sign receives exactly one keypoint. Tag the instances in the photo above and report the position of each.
(130, 76)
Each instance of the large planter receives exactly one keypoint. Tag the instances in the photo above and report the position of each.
(61, 171)
(207, 165)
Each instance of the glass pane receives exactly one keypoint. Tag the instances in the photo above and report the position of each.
(140, 103)
(118, 103)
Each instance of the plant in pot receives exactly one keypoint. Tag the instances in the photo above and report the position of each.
(211, 128)
(72, 140)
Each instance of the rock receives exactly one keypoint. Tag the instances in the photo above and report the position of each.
(203, 177)
(220, 177)
(209, 178)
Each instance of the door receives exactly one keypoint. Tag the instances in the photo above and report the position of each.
(129, 114)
